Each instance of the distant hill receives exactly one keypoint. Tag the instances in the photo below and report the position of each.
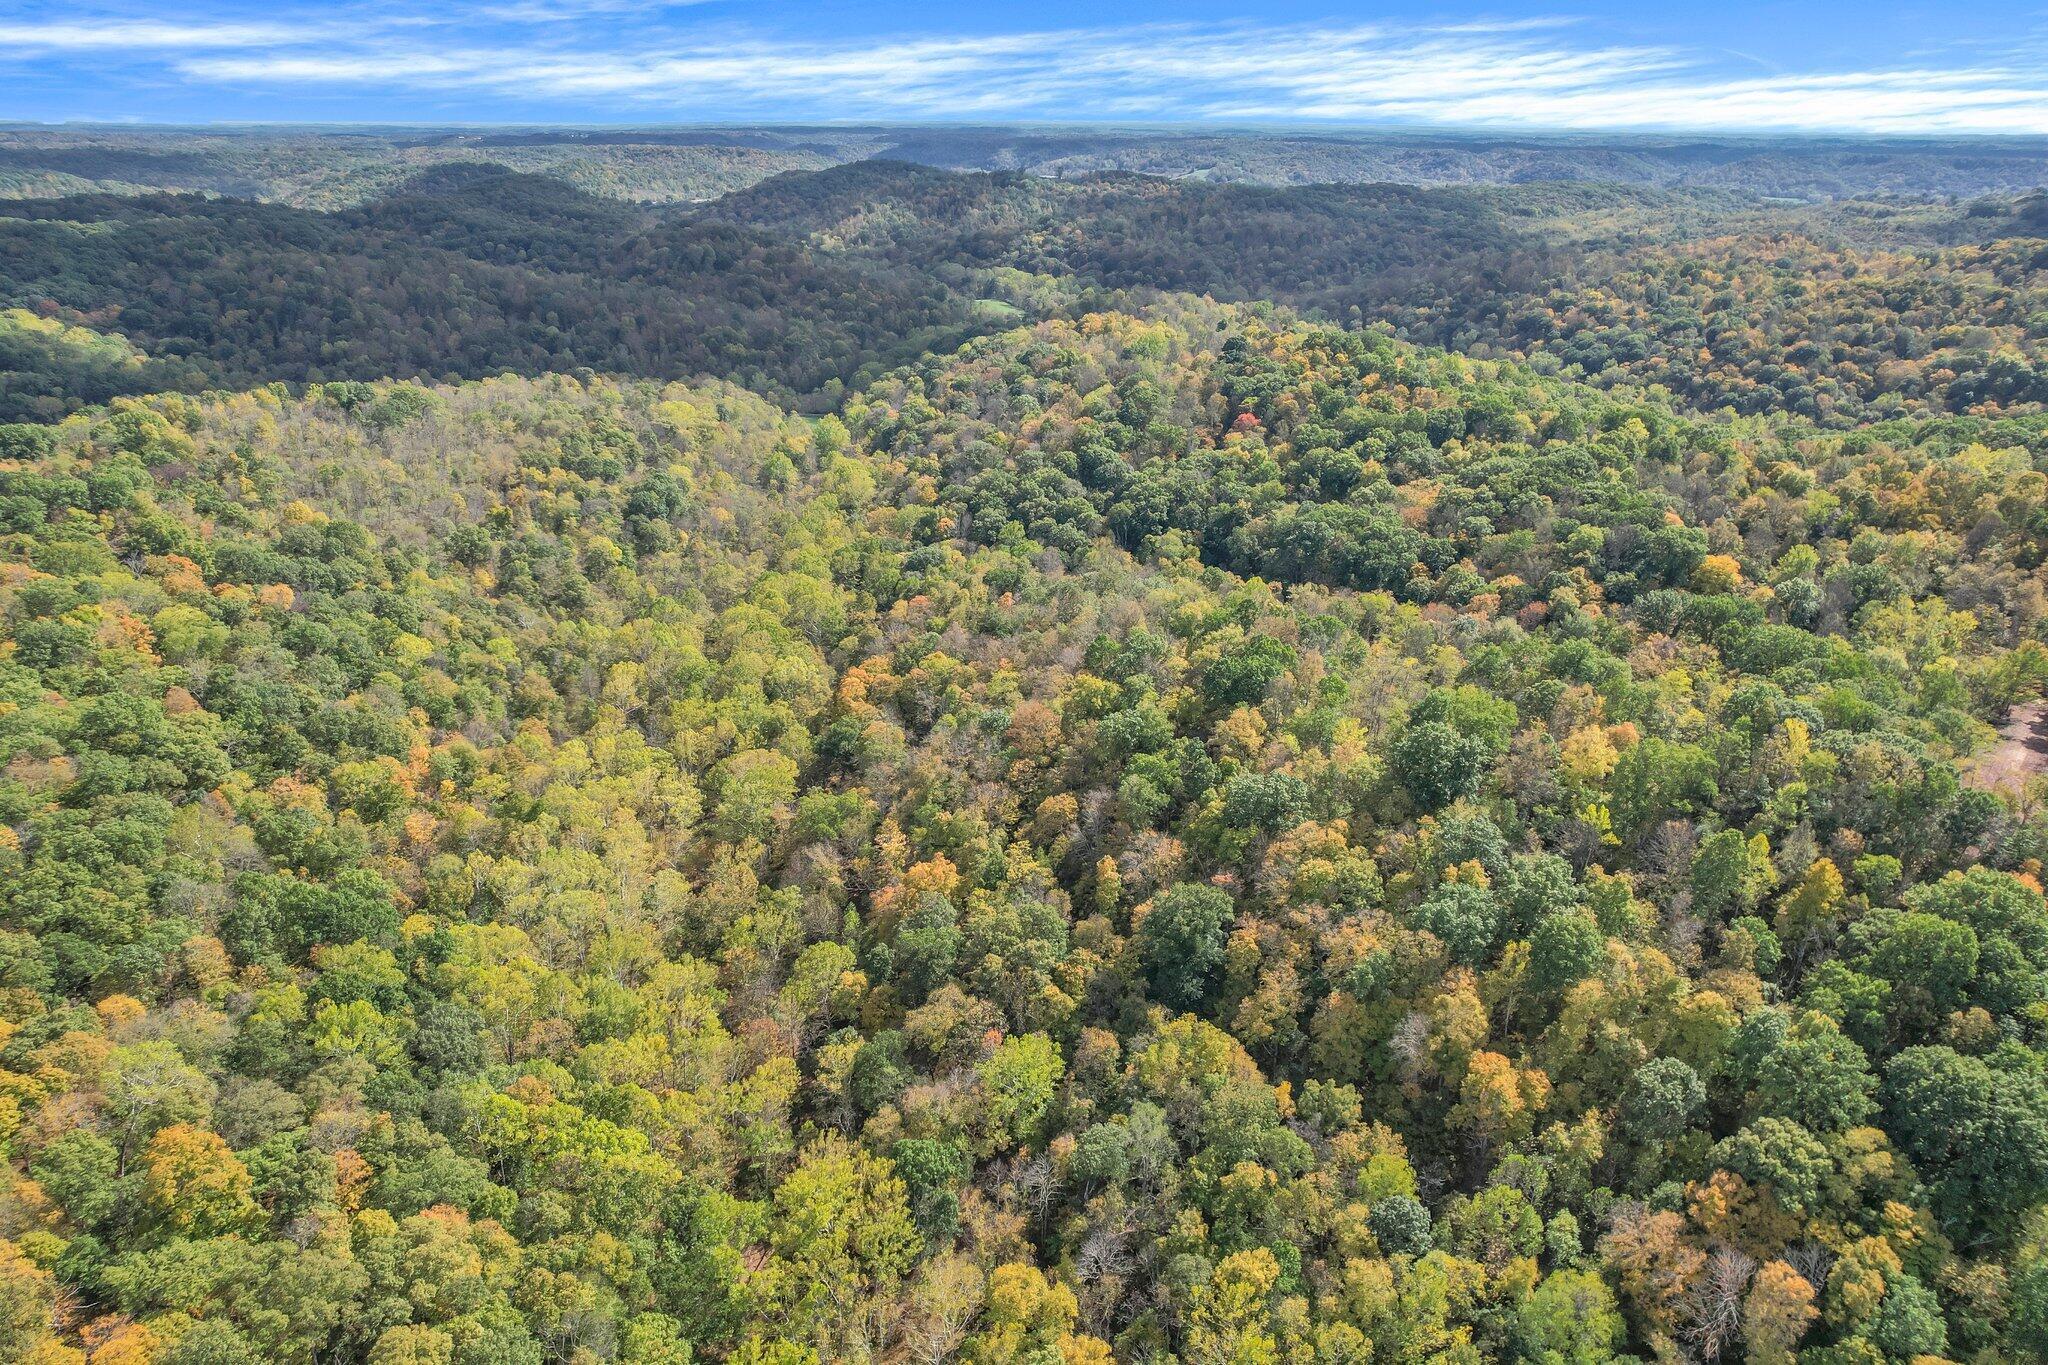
(467, 272)
(1802, 168)
(340, 168)
(307, 169)
(803, 283)
(1835, 313)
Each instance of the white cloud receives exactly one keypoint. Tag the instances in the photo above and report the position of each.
(129, 35)
(567, 11)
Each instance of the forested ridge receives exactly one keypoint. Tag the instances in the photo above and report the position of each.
(470, 271)
(807, 285)
(315, 169)
(1710, 299)
(328, 167)
(1798, 168)
(1167, 834)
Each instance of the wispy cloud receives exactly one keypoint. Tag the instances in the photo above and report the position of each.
(144, 35)
(625, 56)
(570, 11)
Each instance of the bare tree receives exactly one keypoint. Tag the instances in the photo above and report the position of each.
(1713, 1305)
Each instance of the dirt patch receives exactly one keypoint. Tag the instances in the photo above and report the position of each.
(2021, 751)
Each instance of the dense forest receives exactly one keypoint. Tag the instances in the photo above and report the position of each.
(314, 167)
(329, 170)
(915, 767)
(1160, 834)
(471, 271)
(808, 284)
(1802, 168)
(1715, 299)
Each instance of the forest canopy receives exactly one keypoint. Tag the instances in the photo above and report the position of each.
(809, 284)
(876, 778)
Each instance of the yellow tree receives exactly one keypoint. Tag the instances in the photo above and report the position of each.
(1777, 1313)
(1230, 1318)
(194, 1185)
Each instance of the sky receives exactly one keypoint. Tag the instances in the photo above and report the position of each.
(1648, 66)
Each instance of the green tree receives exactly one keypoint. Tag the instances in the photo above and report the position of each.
(1975, 1132)
(1570, 1316)
(1816, 1077)
(1663, 1096)
(1180, 942)
(1465, 917)
(1019, 1083)
(1566, 948)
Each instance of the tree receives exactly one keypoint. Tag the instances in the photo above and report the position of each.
(1569, 1317)
(927, 944)
(413, 1345)
(1816, 1077)
(754, 790)
(1401, 1225)
(1656, 1267)
(1565, 949)
(2027, 1323)
(29, 1314)
(1180, 942)
(1777, 1313)
(1810, 910)
(1724, 875)
(1658, 780)
(1241, 674)
(1266, 803)
(1019, 1082)
(1437, 765)
(1782, 1158)
(148, 1087)
(1662, 1098)
(80, 1170)
(839, 1244)
(1930, 962)
(1465, 917)
(1909, 1322)
(930, 1171)
(1030, 1317)
(946, 1299)
(194, 1185)
(1977, 1134)
(1497, 1100)
(1229, 1317)
(1493, 1227)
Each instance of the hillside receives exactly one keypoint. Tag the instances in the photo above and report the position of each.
(1792, 168)
(330, 168)
(305, 168)
(1177, 834)
(809, 283)
(471, 271)
(1823, 315)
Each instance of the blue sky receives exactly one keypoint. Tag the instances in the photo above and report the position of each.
(1649, 66)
